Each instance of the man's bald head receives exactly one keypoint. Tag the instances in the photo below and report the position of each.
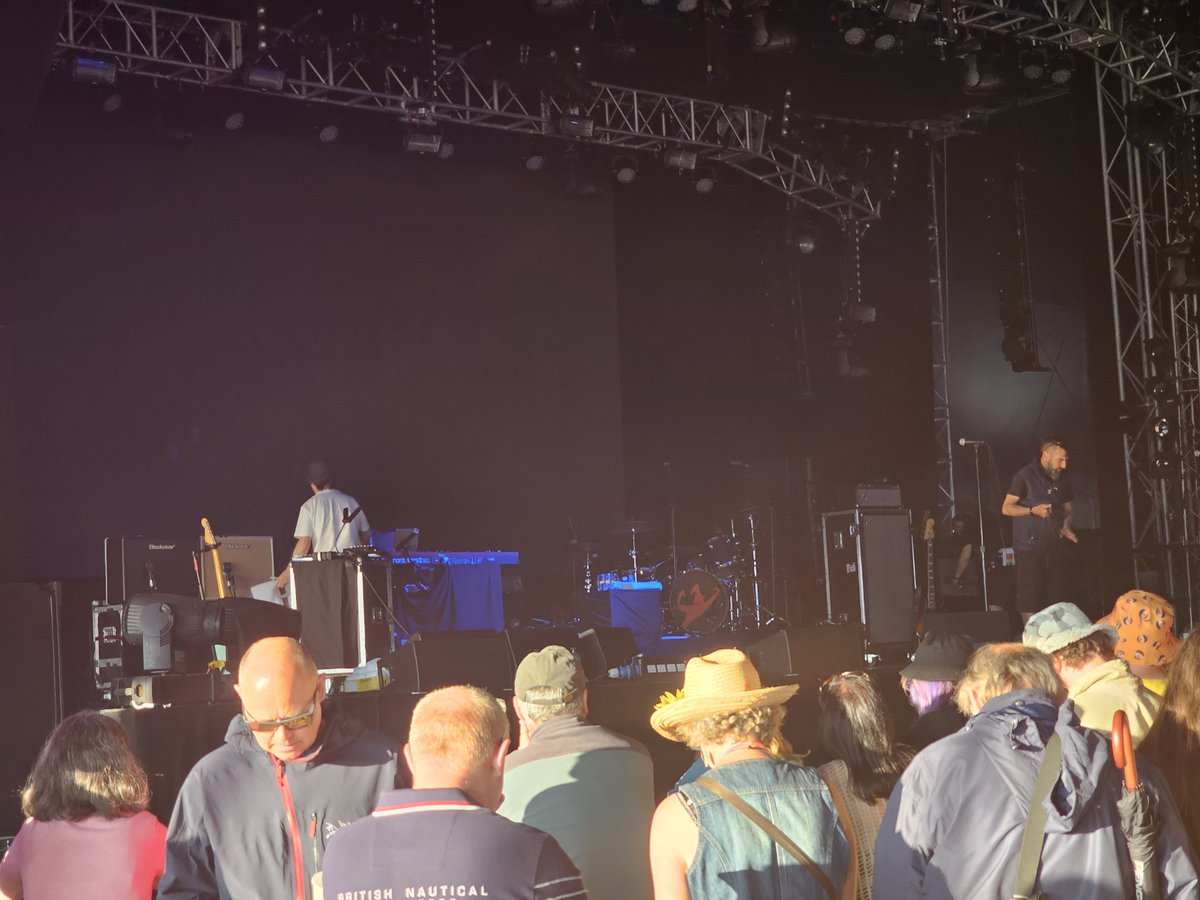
(278, 680)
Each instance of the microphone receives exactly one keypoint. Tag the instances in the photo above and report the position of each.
(150, 576)
(966, 442)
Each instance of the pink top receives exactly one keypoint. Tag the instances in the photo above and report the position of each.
(118, 859)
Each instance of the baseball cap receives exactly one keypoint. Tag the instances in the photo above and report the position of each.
(552, 666)
(319, 471)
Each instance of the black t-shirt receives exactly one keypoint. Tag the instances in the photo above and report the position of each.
(935, 725)
(1033, 487)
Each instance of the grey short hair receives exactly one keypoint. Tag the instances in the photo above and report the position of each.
(761, 724)
(457, 726)
(996, 669)
(545, 702)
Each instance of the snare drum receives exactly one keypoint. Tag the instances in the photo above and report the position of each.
(698, 602)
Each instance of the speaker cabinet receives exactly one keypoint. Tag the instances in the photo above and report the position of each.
(604, 649)
(806, 654)
(31, 703)
(870, 573)
(523, 641)
(431, 661)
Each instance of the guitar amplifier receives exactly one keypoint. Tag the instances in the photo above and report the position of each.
(878, 496)
(870, 573)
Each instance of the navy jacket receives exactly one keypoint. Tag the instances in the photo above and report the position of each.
(955, 819)
(242, 815)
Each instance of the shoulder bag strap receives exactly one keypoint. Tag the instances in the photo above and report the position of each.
(1035, 824)
(772, 831)
(850, 888)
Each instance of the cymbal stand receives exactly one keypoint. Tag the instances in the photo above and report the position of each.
(760, 607)
(671, 510)
(588, 584)
(633, 553)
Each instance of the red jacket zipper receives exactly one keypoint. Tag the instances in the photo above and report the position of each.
(289, 807)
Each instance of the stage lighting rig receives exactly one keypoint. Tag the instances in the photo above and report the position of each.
(89, 70)
(625, 168)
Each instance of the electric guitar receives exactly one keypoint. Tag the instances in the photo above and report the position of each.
(211, 545)
(930, 577)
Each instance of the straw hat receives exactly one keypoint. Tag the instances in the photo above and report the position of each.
(722, 682)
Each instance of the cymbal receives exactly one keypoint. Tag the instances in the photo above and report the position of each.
(635, 526)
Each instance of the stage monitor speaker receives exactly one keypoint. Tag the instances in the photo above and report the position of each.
(523, 641)
(603, 649)
(806, 654)
(31, 703)
(870, 574)
(983, 627)
(423, 665)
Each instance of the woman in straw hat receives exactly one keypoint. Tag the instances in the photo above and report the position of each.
(755, 825)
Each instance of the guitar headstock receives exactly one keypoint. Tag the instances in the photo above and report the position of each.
(209, 540)
(930, 531)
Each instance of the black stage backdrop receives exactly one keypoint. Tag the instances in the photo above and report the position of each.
(191, 323)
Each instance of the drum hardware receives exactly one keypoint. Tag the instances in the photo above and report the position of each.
(633, 528)
(588, 551)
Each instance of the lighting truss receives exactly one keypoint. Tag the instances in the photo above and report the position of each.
(1154, 65)
(206, 50)
(1142, 194)
(939, 321)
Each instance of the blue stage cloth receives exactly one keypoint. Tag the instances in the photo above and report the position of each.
(457, 598)
(641, 612)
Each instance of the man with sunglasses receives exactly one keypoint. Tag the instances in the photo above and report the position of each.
(253, 816)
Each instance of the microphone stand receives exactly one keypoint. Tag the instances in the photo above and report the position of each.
(671, 512)
(983, 557)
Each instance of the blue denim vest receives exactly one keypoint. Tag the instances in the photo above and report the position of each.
(736, 859)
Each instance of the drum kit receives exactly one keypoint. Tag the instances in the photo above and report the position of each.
(721, 586)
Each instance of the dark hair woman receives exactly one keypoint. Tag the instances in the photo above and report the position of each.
(856, 730)
(1173, 743)
(88, 833)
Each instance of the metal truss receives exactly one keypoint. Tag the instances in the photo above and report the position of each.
(1157, 348)
(206, 50)
(939, 321)
(1155, 65)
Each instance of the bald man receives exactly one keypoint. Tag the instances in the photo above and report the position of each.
(443, 837)
(254, 816)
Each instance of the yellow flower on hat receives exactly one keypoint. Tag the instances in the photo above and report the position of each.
(668, 698)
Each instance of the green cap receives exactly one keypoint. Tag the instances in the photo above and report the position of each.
(553, 666)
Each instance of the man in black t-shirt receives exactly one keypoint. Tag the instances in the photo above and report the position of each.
(1039, 502)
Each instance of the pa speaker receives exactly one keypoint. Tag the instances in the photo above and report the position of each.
(806, 654)
(981, 627)
(424, 664)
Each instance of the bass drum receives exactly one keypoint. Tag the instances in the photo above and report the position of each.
(698, 602)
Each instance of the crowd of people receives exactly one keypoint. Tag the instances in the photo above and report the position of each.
(1004, 786)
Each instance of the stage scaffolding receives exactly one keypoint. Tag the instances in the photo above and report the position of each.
(209, 51)
(939, 320)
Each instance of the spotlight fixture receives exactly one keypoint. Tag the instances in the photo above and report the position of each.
(1062, 68)
(557, 7)
(1162, 428)
(112, 103)
(625, 168)
(327, 133)
(980, 75)
(854, 28)
(1161, 389)
(902, 10)
(1032, 64)
(1146, 126)
(1158, 351)
(94, 71)
(534, 162)
(770, 37)
(687, 6)
(265, 78)
(803, 241)
(887, 37)
(706, 180)
(426, 142)
(1164, 463)
(678, 158)
(576, 126)
(234, 121)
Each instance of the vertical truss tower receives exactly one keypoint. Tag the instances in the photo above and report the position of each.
(1157, 342)
(939, 321)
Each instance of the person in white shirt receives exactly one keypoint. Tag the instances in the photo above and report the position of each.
(329, 520)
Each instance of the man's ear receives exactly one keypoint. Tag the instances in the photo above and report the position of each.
(499, 754)
(1057, 663)
(408, 757)
(583, 704)
(238, 689)
(320, 689)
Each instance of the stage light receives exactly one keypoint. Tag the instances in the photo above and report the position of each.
(1032, 64)
(687, 6)
(1162, 428)
(770, 38)
(803, 241)
(1062, 68)
(1164, 463)
(706, 180)
(678, 158)
(887, 37)
(1146, 126)
(88, 70)
(234, 121)
(980, 75)
(328, 134)
(112, 103)
(534, 162)
(426, 142)
(265, 78)
(903, 10)
(854, 29)
(1158, 350)
(557, 7)
(576, 126)
(1161, 389)
(625, 168)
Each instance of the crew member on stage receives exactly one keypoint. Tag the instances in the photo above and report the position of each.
(1039, 501)
(959, 546)
(329, 520)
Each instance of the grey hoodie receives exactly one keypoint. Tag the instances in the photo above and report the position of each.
(954, 822)
(241, 813)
